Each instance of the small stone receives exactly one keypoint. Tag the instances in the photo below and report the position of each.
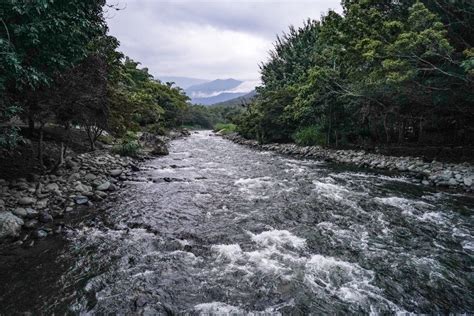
(104, 186)
(112, 187)
(82, 188)
(40, 234)
(52, 187)
(19, 211)
(115, 172)
(31, 223)
(26, 200)
(41, 204)
(31, 213)
(101, 194)
(468, 181)
(69, 209)
(425, 182)
(45, 217)
(452, 181)
(90, 176)
(80, 199)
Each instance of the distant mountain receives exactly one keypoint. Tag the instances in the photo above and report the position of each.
(219, 90)
(183, 82)
(238, 101)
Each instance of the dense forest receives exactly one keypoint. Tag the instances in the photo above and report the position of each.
(59, 66)
(382, 72)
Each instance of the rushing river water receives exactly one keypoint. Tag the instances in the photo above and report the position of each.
(226, 229)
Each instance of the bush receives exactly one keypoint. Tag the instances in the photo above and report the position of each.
(129, 146)
(106, 139)
(309, 136)
(157, 129)
(225, 128)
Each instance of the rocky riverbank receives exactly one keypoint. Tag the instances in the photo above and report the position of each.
(434, 173)
(32, 208)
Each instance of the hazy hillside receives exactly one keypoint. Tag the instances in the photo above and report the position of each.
(244, 99)
(183, 82)
(220, 90)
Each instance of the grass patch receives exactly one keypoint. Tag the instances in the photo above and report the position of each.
(225, 128)
(128, 146)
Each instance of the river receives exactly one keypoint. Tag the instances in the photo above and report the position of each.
(219, 228)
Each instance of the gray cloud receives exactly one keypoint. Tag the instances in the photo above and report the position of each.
(207, 39)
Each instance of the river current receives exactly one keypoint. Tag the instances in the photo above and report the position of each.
(218, 228)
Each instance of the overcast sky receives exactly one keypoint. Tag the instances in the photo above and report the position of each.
(207, 39)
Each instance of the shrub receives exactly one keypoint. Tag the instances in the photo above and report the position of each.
(225, 128)
(106, 139)
(309, 136)
(129, 146)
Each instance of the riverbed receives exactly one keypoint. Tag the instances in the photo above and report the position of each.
(216, 227)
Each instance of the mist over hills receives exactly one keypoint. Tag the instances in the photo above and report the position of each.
(220, 90)
(183, 82)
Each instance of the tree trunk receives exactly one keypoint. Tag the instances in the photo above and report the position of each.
(401, 132)
(387, 133)
(40, 146)
(31, 125)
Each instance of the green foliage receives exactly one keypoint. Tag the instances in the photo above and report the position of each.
(384, 72)
(206, 117)
(128, 146)
(309, 136)
(225, 129)
(137, 100)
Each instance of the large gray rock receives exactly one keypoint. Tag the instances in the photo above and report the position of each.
(160, 149)
(10, 225)
(155, 143)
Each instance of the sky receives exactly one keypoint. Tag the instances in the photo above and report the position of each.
(208, 39)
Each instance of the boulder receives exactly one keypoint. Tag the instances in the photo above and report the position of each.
(10, 225)
(468, 181)
(159, 149)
